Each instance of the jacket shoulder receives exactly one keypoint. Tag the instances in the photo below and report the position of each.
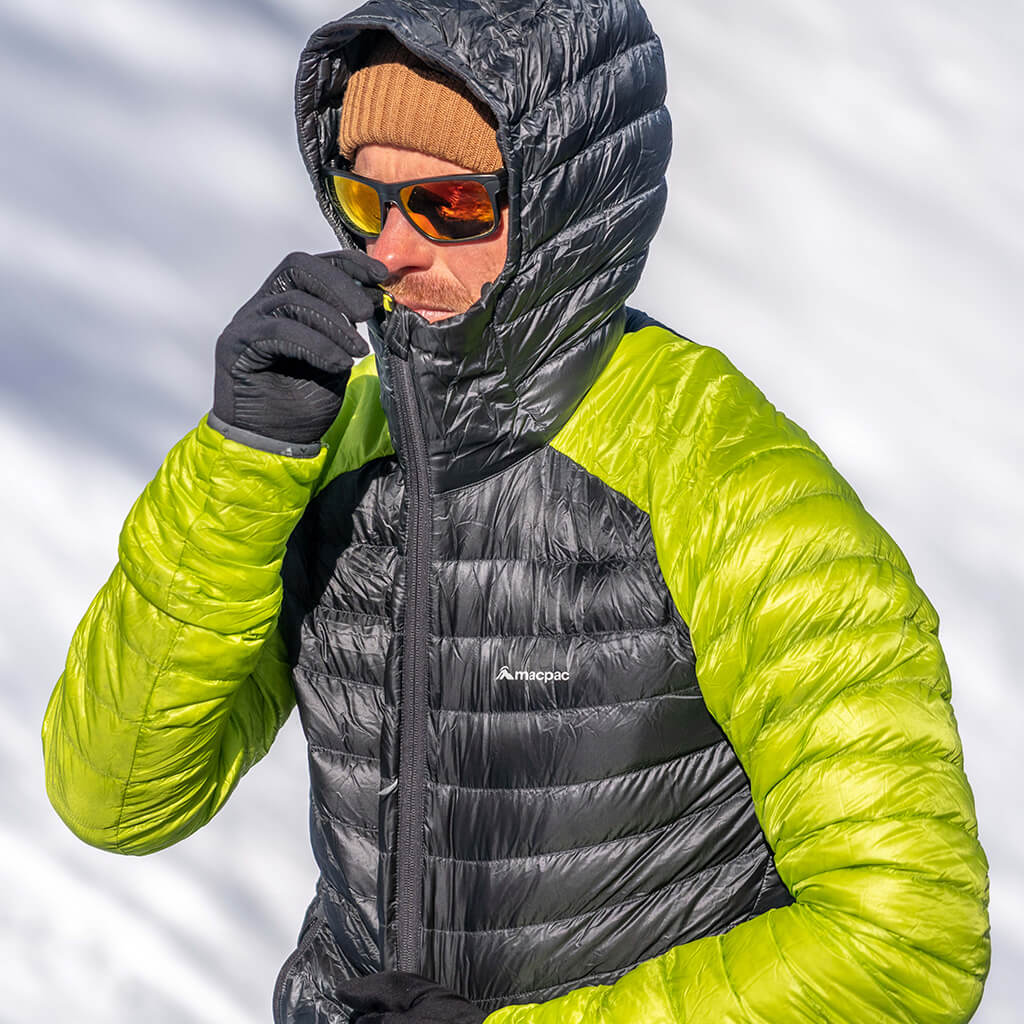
(667, 404)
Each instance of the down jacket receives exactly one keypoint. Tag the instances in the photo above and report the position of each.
(620, 707)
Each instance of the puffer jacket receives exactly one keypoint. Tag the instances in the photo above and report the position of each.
(620, 707)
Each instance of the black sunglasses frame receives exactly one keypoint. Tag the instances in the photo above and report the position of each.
(389, 194)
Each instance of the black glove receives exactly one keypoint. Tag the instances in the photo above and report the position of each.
(394, 997)
(284, 360)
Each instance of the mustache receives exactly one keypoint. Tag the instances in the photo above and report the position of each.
(431, 292)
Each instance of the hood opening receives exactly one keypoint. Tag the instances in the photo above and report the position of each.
(336, 65)
(577, 90)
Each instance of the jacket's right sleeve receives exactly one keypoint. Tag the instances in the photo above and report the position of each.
(818, 655)
(177, 680)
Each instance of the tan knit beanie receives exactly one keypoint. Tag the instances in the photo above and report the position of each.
(395, 100)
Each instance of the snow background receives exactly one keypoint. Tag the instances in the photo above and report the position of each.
(845, 223)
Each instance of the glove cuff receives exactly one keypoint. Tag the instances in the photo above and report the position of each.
(260, 442)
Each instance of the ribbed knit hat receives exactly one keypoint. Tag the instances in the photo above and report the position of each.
(395, 100)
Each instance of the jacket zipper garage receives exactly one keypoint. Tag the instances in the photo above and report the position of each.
(412, 728)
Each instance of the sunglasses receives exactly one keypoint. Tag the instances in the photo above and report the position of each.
(455, 208)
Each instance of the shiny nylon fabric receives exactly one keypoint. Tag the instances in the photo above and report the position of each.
(577, 88)
(176, 681)
(582, 817)
(818, 655)
(831, 689)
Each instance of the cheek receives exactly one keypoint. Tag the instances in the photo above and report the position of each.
(496, 254)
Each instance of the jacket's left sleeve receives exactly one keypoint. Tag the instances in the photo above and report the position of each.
(177, 680)
(818, 655)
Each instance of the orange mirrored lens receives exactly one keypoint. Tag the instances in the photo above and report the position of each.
(450, 210)
(359, 203)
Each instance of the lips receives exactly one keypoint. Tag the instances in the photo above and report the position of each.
(431, 315)
(433, 296)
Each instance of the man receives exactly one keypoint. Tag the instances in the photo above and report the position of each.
(619, 705)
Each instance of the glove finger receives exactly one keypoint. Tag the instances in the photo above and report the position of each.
(358, 265)
(274, 337)
(321, 278)
(313, 312)
(387, 990)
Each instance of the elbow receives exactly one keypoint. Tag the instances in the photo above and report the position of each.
(918, 947)
(84, 808)
(93, 803)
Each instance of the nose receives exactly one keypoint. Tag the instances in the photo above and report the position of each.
(400, 247)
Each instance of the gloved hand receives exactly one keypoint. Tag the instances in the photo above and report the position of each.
(395, 997)
(283, 362)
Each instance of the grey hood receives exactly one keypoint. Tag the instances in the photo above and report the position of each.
(577, 88)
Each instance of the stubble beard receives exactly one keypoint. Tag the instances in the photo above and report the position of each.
(427, 291)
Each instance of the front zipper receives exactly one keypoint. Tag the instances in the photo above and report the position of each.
(412, 724)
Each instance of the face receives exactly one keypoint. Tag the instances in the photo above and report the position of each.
(435, 280)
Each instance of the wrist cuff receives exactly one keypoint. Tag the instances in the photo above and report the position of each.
(262, 443)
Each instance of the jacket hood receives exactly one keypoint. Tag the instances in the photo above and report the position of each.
(577, 88)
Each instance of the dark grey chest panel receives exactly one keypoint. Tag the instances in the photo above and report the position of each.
(583, 810)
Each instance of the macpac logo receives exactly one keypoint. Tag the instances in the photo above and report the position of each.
(538, 677)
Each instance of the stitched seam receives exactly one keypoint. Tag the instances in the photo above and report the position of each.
(901, 940)
(343, 753)
(795, 839)
(345, 899)
(607, 269)
(339, 616)
(685, 818)
(806, 570)
(126, 639)
(800, 976)
(899, 871)
(771, 513)
(587, 979)
(873, 757)
(329, 677)
(597, 635)
(375, 547)
(190, 546)
(699, 752)
(859, 758)
(720, 949)
(93, 693)
(91, 765)
(871, 682)
(617, 563)
(580, 85)
(326, 816)
(774, 449)
(744, 855)
(113, 709)
(593, 979)
(594, 144)
(583, 708)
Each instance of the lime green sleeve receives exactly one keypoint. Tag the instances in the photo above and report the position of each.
(176, 680)
(818, 655)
